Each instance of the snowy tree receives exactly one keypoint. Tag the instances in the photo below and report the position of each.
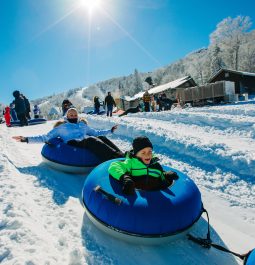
(229, 35)
(215, 59)
(138, 83)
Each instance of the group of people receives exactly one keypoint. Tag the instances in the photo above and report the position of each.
(19, 110)
(139, 167)
(108, 104)
(156, 103)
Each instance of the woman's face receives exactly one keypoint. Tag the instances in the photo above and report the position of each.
(72, 114)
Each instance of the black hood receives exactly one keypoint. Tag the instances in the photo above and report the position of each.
(16, 93)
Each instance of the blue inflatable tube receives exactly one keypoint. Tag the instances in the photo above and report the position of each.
(102, 112)
(251, 258)
(30, 122)
(148, 217)
(64, 157)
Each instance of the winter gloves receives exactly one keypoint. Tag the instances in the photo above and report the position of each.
(24, 140)
(170, 176)
(128, 185)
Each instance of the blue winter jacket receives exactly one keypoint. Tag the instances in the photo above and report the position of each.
(68, 131)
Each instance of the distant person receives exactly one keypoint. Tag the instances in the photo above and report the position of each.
(167, 102)
(109, 103)
(28, 109)
(132, 110)
(141, 169)
(13, 112)
(146, 101)
(77, 133)
(66, 104)
(153, 103)
(7, 116)
(20, 108)
(36, 111)
(96, 105)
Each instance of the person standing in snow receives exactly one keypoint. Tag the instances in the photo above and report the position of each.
(109, 103)
(141, 169)
(28, 109)
(36, 111)
(20, 108)
(7, 116)
(77, 133)
(146, 101)
(96, 105)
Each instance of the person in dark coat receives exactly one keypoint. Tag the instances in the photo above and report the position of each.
(167, 102)
(66, 104)
(20, 108)
(109, 103)
(28, 109)
(96, 105)
(132, 110)
(146, 101)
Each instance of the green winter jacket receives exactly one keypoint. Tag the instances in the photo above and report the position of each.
(147, 177)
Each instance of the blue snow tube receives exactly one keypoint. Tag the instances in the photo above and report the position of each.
(30, 122)
(64, 157)
(251, 258)
(148, 217)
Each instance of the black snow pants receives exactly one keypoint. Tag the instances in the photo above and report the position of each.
(100, 146)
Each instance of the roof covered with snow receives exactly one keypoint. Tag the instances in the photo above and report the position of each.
(231, 71)
(173, 84)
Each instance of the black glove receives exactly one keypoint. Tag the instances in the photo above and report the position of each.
(170, 176)
(24, 140)
(128, 187)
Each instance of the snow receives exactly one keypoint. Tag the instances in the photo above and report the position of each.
(42, 220)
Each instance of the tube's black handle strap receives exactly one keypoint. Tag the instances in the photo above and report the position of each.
(109, 196)
(207, 242)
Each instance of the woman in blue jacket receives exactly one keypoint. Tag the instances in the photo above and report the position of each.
(78, 133)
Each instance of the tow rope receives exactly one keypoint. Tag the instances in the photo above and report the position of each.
(207, 242)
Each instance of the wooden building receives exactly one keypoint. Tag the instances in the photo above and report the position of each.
(244, 81)
(170, 89)
(221, 91)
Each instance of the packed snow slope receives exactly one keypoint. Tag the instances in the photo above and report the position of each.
(42, 220)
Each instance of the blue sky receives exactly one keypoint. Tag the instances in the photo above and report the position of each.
(51, 46)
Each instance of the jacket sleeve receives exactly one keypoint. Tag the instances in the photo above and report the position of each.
(120, 168)
(92, 132)
(43, 138)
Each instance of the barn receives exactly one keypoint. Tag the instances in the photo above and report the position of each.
(244, 81)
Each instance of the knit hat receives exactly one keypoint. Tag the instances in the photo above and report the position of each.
(141, 142)
(71, 109)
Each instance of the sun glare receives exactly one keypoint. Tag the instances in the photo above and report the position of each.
(90, 5)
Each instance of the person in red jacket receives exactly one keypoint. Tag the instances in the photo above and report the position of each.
(7, 116)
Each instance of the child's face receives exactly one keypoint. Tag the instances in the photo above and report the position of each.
(145, 155)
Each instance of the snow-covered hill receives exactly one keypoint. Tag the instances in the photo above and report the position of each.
(42, 220)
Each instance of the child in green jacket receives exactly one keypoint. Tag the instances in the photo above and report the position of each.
(141, 169)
